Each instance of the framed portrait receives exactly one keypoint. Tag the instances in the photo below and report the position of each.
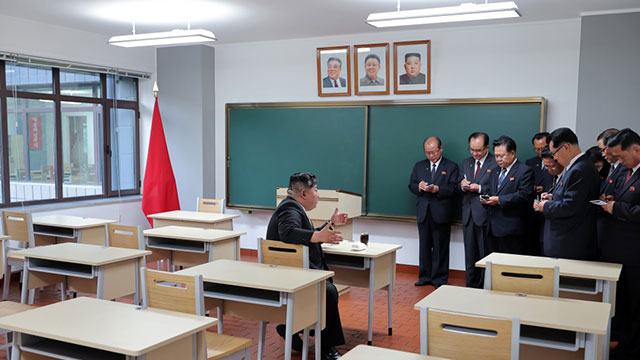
(334, 71)
(412, 69)
(371, 64)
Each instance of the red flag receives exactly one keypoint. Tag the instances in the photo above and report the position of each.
(159, 193)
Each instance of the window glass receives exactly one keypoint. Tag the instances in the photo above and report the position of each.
(125, 88)
(76, 83)
(82, 154)
(29, 78)
(32, 154)
(123, 149)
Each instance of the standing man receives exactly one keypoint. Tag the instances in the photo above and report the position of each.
(434, 182)
(570, 226)
(290, 224)
(535, 221)
(555, 170)
(607, 186)
(539, 141)
(511, 186)
(622, 245)
(333, 80)
(475, 177)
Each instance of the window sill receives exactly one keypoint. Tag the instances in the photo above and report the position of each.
(75, 204)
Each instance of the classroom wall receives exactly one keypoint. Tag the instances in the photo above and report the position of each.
(530, 59)
(609, 79)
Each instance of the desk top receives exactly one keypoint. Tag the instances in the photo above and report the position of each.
(106, 325)
(10, 307)
(548, 312)
(574, 268)
(5, 237)
(86, 254)
(365, 352)
(192, 233)
(71, 222)
(373, 250)
(258, 276)
(195, 216)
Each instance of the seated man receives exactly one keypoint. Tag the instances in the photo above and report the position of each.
(290, 224)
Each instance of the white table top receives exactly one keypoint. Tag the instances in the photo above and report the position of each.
(5, 237)
(557, 313)
(106, 325)
(573, 268)
(257, 276)
(373, 250)
(195, 216)
(192, 233)
(365, 352)
(86, 254)
(71, 222)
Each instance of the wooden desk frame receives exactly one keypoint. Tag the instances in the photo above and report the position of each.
(49, 232)
(194, 219)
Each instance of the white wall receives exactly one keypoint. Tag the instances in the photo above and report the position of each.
(532, 59)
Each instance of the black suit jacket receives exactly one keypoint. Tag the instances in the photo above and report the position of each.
(328, 83)
(290, 224)
(508, 218)
(622, 229)
(440, 204)
(570, 226)
(608, 185)
(471, 206)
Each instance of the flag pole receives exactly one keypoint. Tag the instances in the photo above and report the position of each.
(155, 89)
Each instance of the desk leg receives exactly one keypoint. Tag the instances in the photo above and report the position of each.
(591, 347)
(25, 281)
(262, 329)
(100, 286)
(305, 344)
(318, 330)
(63, 289)
(423, 331)
(15, 348)
(390, 293)
(220, 310)
(210, 251)
(136, 273)
(372, 270)
(288, 338)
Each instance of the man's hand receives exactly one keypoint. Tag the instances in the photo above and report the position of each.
(326, 235)
(464, 184)
(474, 188)
(538, 189)
(538, 205)
(493, 200)
(433, 189)
(605, 197)
(339, 218)
(423, 186)
(546, 197)
(608, 207)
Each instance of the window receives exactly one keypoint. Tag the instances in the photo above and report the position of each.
(66, 134)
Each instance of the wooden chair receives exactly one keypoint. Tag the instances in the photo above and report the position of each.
(10, 308)
(209, 205)
(182, 293)
(19, 226)
(130, 237)
(543, 281)
(469, 337)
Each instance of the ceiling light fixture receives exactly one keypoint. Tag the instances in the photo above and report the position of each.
(463, 12)
(173, 37)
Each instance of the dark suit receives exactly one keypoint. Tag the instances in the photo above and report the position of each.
(419, 79)
(570, 226)
(535, 220)
(433, 212)
(607, 187)
(290, 224)
(475, 220)
(622, 245)
(507, 219)
(328, 83)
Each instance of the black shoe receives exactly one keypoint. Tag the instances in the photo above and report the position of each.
(422, 283)
(330, 354)
(296, 341)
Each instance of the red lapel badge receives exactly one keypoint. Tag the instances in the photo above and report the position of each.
(632, 188)
(444, 173)
(511, 179)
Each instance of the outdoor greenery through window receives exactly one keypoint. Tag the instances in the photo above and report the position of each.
(66, 134)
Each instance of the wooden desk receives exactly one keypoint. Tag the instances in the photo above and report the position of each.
(110, 272)
(52, 229)
(88, 328)
(584, 280)
(267, 293)
(537, 313)
(193, 219)
(189, 246)
(373, 268)
(364, 352)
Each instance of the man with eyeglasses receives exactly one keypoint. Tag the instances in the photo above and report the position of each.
(570, 226)
(434, 182)
(475, 175)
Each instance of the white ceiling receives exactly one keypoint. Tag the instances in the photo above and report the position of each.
(259, 20)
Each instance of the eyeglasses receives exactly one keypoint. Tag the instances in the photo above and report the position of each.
(558, 149)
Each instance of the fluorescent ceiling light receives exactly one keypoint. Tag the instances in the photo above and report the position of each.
(172, 37)
(463, 12)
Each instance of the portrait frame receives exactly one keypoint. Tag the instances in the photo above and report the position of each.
(362, 80)
(323, 55)
(401, 77)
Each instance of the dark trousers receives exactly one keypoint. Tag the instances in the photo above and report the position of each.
(534, 228)
(332, 334)
(511, 244)
(434, 251)
(627, 319)
(475, 248)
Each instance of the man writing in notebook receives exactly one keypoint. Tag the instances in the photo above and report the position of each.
(290, 224)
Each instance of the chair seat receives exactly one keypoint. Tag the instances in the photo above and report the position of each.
(342, 289)
(12, 307)
(220, 345)
(11, 256)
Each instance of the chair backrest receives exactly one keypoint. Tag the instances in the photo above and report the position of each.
(468, 337)
(19, 226)
(276, 252)
(125, 236)
(168, 291)
(209, 205)
(543, 281)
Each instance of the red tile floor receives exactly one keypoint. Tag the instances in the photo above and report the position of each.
(353, 312)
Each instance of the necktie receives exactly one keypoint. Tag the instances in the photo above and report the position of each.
(478, 166)
(555, 181)
(335, 83)
(626, 180)
(433, 171)
(503, 174)
(611, 169)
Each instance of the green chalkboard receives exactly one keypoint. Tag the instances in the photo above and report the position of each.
(265, 145)
(396, 134)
